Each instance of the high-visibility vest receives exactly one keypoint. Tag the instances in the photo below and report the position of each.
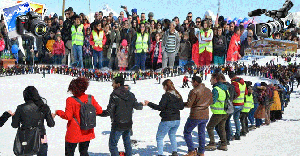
(77, 35)
(207, 45)
(218, 107)
(249, 103)
(141, 43)
(241, 98)
(98, 39)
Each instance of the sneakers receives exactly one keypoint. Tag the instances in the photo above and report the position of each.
(210, 147)
(243, 133)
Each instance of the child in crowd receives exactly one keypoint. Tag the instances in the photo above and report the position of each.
(123, 55)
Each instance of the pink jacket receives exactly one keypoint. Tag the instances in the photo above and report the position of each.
(2, 45)
(159, 60)
(59, 48)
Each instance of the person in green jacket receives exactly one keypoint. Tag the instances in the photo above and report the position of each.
(219, 116)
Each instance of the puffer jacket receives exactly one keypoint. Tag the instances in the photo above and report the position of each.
(234, 48)
(169, 106)
(199, 100)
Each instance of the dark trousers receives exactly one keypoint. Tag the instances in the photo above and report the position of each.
(83, 148)
(244, 122)
(189, 127)
(228, 128)
(258, 122)
(156, 65)
(114, 139)
(220, 120)
(43, 150)
(275, 115)
(140, 60)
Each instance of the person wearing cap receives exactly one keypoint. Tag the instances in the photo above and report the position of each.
(77, 41)
(58, 49)
(97, 41)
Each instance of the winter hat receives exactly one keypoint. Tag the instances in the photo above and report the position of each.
(151, 14)
(124, 19)
(124, 43)
(134, 10)
(257, 84)
(58, 35)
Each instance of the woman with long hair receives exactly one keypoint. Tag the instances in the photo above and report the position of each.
(169, 106)
(32, 114)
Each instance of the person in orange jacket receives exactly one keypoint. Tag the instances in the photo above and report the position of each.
(233, 53)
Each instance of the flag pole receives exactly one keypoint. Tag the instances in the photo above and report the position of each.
(63, 9)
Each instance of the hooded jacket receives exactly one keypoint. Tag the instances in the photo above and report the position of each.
(120, 109)
(199, 100)
(235, 81)
(234, 48)
(169, 106)
(33, 112)
(215, 91)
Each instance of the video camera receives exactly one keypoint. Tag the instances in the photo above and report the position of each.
(282, 20)
(31, 23)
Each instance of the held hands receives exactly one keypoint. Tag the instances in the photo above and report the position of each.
(146, 103)
(11, 113)
(53, 115)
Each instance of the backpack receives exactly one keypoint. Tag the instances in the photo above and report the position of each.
(228, 107)
(87, 114)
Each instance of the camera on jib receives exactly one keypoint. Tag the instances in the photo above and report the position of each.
(31, 23)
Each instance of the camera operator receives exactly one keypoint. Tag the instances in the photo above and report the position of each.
(66, 36)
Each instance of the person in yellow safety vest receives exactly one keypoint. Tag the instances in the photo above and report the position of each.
(248, 105)
(205, 44)
(219, 116)
(97, 40)
(77, 31)
(142, 45)
(238, 102)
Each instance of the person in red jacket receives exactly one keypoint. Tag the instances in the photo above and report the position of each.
(74, 134)
(2, 44)
(98, 40)
(58, 50)
(233, 53)
(185, 82)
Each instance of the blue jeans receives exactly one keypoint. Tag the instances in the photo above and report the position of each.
(219, 60)
(189, 127)
(258, 122)
(182, 63)
(114, 139)
(77, 51)
(164, 128)
(57, 59)
(140, 60)
(251, 114)
(236, 118)
(97, 56)
(16, 56)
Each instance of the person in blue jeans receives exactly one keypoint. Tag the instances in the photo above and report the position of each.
(77, 41)
(120, 108)
(199, 115)
(169, 105)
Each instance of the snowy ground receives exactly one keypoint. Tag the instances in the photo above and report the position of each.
(280, 138)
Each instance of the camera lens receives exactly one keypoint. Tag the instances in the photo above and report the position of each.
(264, 29)
(38, 27)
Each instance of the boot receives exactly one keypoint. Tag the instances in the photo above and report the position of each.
(243, 133)
(237, 137)
(222, 147)
(211, 147)
(174, 154)
(192, 153)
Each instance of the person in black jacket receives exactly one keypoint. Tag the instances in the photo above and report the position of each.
(246, 44)
(5, 116)
(120, 110)
(219, 47)
(169, 106)
(32, 114)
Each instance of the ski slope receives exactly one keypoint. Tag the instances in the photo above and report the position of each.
(280, 138)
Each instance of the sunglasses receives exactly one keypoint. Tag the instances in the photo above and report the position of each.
(67, 13)
(190, 16)
(198, 21)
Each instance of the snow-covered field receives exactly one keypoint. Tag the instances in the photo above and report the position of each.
(280, 138)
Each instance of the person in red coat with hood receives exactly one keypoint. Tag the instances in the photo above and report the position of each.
(233, 53)
(156, 52)
(74, 134)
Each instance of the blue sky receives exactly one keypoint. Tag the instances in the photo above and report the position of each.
(172, 8)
